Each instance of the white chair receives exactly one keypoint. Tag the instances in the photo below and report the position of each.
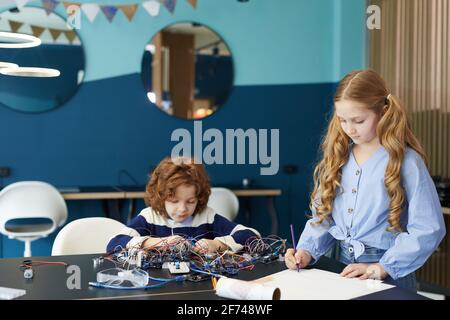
(224, 202)
(85, 236)
(22, 204)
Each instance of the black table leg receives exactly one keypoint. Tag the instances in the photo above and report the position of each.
(248, 211)
(131, 208)
(273, 215)
(111, 208)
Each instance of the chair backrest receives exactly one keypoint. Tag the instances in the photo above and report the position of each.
(86, 235)
(21, 203)
(224, 202)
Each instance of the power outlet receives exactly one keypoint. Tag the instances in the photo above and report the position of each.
(5, 172)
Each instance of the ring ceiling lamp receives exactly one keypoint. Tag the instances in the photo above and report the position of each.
(7, 65)
(27, 41)
(30, 72)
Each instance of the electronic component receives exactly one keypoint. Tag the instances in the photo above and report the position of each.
(28, 273)
(27, 266)
(135, 257)
(197, 277)
(269, 258)
(181, 258)
(178, 267)
(98, 261)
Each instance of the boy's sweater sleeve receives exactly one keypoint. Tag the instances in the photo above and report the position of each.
(137, 231)
(232, 234)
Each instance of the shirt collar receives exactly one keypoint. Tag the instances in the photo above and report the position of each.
(186, 223)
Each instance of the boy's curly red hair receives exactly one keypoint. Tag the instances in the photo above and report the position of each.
(171, 173)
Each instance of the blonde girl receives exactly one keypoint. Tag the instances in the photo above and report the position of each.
(372, 190)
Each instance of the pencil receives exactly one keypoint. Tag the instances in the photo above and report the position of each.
(295, 246)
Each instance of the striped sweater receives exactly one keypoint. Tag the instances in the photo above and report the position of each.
(206, 224)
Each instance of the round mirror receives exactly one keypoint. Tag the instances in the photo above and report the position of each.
(37, 76)
(187, 70)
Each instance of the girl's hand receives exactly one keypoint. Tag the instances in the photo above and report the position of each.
(364, 271)
(302, 258)
(209, 246)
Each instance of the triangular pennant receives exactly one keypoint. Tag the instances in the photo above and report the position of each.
(152, 7)
(21, 3)
(70, 35)
(90, 10)
(193, 3)
(68, 4)
(129, 10)
(55, 33)
(49, 5)
(109, 12)
(14, 25)
(37, 31)
(170, 5)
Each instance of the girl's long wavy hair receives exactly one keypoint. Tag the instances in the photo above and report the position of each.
(393, 131)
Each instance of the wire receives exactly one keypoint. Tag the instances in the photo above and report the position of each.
(123, 171)
(208, 273)
(28, 264)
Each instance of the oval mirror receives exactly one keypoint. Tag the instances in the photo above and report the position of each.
(43, 77)
(187, 70)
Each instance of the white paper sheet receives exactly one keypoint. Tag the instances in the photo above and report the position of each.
(315, 284)
(10, 293)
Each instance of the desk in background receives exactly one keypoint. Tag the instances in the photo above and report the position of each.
(111, 197)
(50, 281)
(446, 210)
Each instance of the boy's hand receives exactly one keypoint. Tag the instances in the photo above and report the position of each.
(209, 246)
(171, 240)
(154, 242)
(302, 258)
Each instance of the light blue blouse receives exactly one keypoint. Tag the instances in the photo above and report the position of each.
(360, 212)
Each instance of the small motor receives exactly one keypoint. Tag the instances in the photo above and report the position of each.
(28, 273)
(27, 268)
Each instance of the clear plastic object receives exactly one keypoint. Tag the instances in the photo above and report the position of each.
(117, 276)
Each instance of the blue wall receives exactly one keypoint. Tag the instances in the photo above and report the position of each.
(286, 70)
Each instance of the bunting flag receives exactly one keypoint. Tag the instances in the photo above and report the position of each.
(37, 31)
(90, 10)
(109, 12)
(14, 25)
(68, 4)
(129, 10)
(193, 3)
(55, 33)
(152, 7)
(49, 5)
(170, 5)
(70, 35)
(21, 3)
